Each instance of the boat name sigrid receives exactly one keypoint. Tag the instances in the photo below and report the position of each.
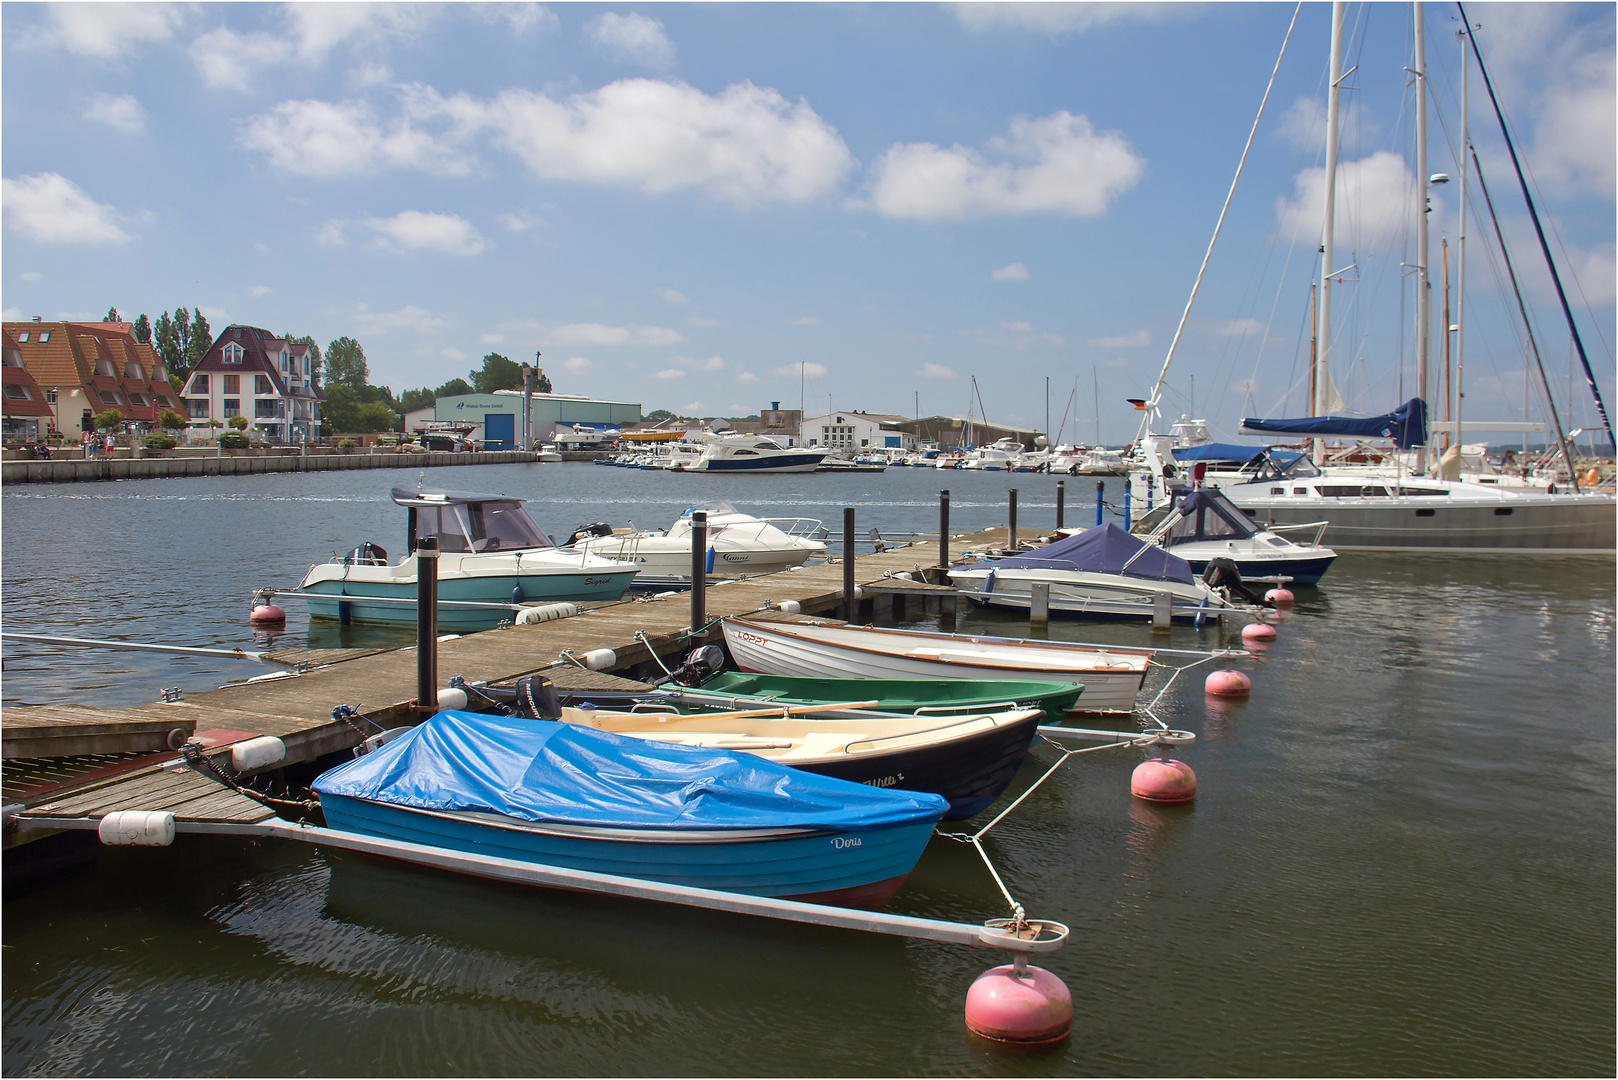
(845, 841)
(596, 581)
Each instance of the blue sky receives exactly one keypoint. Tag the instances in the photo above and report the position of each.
(688, 205)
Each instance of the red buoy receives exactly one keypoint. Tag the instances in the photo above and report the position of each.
(1228, 683)
(1280, 597)
(1258, 631)
(1163, 780)
(1027, 1007)
(267, 613)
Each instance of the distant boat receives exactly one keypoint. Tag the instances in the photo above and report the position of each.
(1202, 524)
(1111, 677)
(565, 795)
(738, 545)
(490, 552)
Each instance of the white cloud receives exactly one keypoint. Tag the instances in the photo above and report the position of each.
(634, 39)
(691, 408)
(258, 290)
(11, 314)
(746, 145)
(1056, 164)
(700, 320)
(1017, 335)
(810, 370)
(522, 220)
(319, 139)
(746, 377)
(712, 363)
(1375, 196)
(492, 339)
(1139, 339)
(413, 230)
(601, 334)
(523, 19)
(31, 275)
(1061, 18)
(803, 320)
(669, 373)
(221, 57)
(317, 29)
(51, 209)
(331, 233)
(1010, 272)
(579, 365)
(452, 353)
(1304, 123)
(409, 319)
(122, 113)
(673, 296)
(1247, 327)
(103, 31)
(214, 315)
(936, 371)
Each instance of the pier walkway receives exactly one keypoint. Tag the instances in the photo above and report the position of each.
(62, 470)
(70, 761)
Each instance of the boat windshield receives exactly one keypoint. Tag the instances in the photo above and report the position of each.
(1284, 465)
(479, 527)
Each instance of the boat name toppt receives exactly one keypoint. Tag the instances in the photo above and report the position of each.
(753, 638)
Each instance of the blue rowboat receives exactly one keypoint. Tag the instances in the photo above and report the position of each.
(565, 795)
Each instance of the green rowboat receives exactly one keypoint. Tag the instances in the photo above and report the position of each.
(892, 695)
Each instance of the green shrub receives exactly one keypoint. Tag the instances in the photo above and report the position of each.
(108, 420)
(233, 440)
(239, 423)
(346, 444)
(159, 441)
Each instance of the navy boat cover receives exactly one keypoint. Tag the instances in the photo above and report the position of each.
(1406, 425)
(545, 771)
(1208, 515)
(1104, 549)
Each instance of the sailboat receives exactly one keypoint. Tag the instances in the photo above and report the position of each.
(1404, 511)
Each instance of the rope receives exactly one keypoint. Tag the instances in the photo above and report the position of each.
(200, 762)
(640, 636)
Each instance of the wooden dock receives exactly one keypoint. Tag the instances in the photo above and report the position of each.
(57, 742)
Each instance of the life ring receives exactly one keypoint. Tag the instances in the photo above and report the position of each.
(1592, 478)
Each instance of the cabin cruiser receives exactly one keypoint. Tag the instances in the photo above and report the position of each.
(491, 558)
(731, 452)
(1201, 525)
(1003, 455)
(738, 545)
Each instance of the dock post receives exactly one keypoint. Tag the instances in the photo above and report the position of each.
(1101, 493)
(427, 626)
(1061, 497)
(699, 569)
(851, 606)
(1162, 611)
(1126, 504)
(1039, 605)
(943, 529)
(1011, 520)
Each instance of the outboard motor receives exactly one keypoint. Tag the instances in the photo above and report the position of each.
(1223, 574)
(367, 554)
(588, 532)
(700, 665)
(536, 698)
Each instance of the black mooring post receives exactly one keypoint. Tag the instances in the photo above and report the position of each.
(699, 570)
(427, 626)
(943, 529)
(1061, 497)
(851, 606)
(1011, 521)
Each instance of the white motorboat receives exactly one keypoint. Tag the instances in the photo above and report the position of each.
(548, 452)
(1202, 524)
(1111, 677)
(1101, 573)
(738, 545)
(491, 557)
(1003, 455)
(733, 453)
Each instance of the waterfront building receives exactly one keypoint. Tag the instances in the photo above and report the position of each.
(253, 373)
(86, 368)
(496, 420)
(961, 431)
(846, 434)
(22, 407)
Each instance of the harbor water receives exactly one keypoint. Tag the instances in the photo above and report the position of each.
(1400, 859)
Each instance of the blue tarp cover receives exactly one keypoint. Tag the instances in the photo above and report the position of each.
(1104, 550)
(1406, 425)
(1217, 451)
(540, 770)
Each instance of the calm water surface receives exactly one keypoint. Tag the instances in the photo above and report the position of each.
(1400, 861)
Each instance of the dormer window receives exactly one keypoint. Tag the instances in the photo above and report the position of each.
(283, 359)
(104, 367)
(132, 370)
(233, 353)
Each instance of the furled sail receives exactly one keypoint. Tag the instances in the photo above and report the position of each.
(1406, 425)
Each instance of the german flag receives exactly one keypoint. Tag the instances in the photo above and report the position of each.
(1139, 403)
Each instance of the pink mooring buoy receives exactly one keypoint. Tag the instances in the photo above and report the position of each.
(1163, 780)
(267, 613)
(1280, 597)
(1228, 683)
(1258, 631)
(1026, 1007)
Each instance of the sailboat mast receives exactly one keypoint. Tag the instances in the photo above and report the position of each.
(1333, 97)
(1449, 392)
(1460, 270)
(1314, 340)
(1424, 287)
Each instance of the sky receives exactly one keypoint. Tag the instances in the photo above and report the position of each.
(707, 208)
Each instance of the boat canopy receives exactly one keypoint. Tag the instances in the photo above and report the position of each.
(438, 497)
(1206, 514)
(547, 771)
(1215, 451)
(1406, 425)
(1105, 549)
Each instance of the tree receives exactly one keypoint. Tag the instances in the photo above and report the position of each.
(182, 341)
(543, 383)
(497, 373)
(143, 329)
(239, 423)
(345, 363)
(657, 416)
(112, 315)
(169, 420)
(166, 340)
(411, 400)
(375, 416)
(201, 341)
(106, 421)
